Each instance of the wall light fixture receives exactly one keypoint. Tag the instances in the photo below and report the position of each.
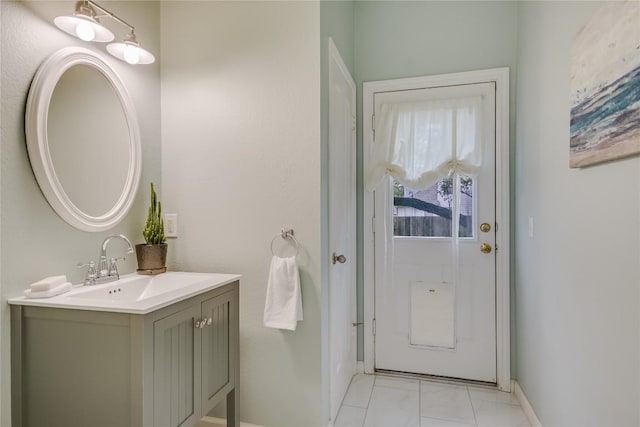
(85, 24)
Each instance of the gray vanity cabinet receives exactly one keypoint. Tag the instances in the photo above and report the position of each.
(167, 368)
(194, 361)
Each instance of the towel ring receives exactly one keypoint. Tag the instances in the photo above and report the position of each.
(285, 234)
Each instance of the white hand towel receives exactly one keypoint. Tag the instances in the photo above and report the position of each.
(57, 290)
(283, 306)
(47, 283)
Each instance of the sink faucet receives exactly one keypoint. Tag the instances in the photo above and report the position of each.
(108, 239)
(108, 272)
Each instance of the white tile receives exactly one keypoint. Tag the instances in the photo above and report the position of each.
(434, 422)
(478, 394)
(350, 416)
(494, 414)
(359, 391)
(446, 402)
(393, 407)
(401, 383)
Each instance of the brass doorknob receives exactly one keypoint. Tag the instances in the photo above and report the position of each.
(485, 227)
(485, 248)
(339, 258)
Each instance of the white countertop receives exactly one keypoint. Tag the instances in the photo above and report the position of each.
(134, 293)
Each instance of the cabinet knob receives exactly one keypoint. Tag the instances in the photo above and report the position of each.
(200, 324)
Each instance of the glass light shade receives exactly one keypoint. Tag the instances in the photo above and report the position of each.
(84, 27)
(130, 53)
(85, 31)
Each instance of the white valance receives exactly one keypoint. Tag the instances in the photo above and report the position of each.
(418, 143)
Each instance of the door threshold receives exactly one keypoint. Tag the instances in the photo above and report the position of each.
(436, 379)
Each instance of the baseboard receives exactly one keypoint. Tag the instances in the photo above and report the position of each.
(219, 422)
(526, 406)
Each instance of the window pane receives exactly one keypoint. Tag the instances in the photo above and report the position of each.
(427, 213)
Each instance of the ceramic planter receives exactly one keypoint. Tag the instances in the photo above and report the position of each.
(152, 259)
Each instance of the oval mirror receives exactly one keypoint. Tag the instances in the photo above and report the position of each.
(83, 139)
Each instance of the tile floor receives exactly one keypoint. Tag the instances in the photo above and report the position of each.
(382, 401)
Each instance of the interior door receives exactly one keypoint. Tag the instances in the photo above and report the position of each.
(435, 307)
(342, 228)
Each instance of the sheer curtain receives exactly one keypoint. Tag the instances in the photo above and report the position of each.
(418, 143)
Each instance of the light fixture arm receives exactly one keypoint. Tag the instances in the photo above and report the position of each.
(108, 14)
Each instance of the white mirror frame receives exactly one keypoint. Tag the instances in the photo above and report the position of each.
(37, 111)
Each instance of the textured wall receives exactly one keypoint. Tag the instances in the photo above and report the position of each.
(241, 160)
(578, 276)
(35, 241)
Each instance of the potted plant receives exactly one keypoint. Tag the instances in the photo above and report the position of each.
(152, 255)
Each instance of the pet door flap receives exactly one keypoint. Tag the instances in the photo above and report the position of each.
(432, 315)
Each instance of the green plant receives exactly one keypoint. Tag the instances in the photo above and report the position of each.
(153, 231)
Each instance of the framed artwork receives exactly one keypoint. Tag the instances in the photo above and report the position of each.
(605, 86)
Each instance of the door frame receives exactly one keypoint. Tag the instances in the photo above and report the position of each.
(503, 327)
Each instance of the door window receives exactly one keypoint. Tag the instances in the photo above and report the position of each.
(427, 213)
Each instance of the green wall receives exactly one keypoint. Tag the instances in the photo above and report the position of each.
(397, 39)
(577, 278)
(36, 243)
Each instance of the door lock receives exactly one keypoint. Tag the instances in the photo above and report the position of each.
(485, 227)
(338, 258)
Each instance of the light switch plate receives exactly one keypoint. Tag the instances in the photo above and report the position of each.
(171, 225)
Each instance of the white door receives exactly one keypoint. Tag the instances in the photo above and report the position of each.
(342, 228)
(435, 295)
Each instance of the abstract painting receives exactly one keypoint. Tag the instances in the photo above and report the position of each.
(605, 86)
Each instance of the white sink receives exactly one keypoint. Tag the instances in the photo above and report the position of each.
(137, 287)
(134, 293)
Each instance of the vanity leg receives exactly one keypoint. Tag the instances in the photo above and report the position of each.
(233, 419)
(233, 397)
(16, 366)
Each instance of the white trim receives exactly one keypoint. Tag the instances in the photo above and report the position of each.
(37, 111)
(334, 54)
(526, 406)
(503, 331)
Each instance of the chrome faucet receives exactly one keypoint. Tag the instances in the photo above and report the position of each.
(106, 271)
(105, 243)
(109, 272)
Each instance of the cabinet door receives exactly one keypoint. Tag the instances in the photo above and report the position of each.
(176, 369)
(219, 348)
